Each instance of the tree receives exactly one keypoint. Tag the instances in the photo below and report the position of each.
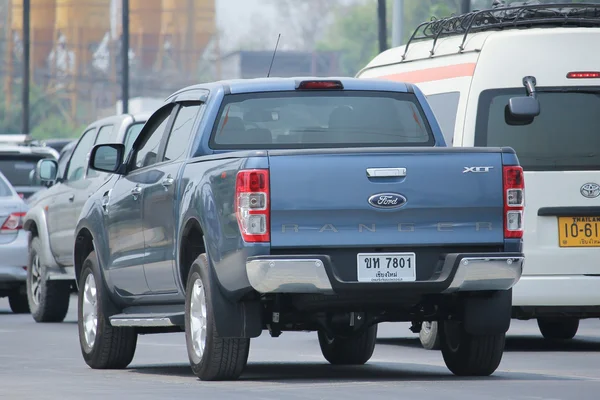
(48, 118)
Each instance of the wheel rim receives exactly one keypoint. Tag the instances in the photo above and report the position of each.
(426, 327)
(36, 279)
(90, 311)
(198, 318)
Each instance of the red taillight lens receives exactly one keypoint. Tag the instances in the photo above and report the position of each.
(252, 204)
(514, 202)
(583, 75)
(14, 222)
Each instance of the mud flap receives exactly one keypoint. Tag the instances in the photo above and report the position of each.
(489, 314)
(234, 320)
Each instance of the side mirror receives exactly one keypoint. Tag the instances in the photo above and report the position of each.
(46, 170)
(107, 157)
(521, 110)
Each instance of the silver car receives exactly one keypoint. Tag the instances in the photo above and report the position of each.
(14, 241)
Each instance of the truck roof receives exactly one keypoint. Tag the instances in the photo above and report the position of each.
(468, 33)
(237, 86)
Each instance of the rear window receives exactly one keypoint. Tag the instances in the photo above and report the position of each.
(320, 119)
(565, 136)
(17, 168)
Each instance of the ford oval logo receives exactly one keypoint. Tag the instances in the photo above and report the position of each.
(387, 200)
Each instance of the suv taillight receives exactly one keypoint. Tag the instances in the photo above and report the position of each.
(514, 202)
(252, 204)
(14, 222)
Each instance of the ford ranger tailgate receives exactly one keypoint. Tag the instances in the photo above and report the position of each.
(385, 197)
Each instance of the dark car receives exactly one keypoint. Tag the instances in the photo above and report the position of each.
(17, 163)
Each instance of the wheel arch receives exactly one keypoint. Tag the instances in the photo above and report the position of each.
(84, 245)
(35, 223)
(191, 245)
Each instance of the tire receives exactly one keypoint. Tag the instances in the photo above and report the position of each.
(48, 300)
(212, 358)
(355, 350)
(470, 355)
(18, 301)
(109, 347)
(430, 336)
(558, 329)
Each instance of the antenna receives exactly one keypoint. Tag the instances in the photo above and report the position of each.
(273, 59)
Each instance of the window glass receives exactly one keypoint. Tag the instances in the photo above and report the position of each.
(312, 119)
(132, 133)
(5, 190)
(445, 107)
(178, 143)
(563, 137)
(19, 168)
(105, 134)
(79, 159)
(146, 152)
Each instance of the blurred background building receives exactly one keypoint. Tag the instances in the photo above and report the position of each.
(76, 56)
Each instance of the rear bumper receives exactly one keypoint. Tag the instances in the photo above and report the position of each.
(315, 274)
(557, 291)
(13, 257)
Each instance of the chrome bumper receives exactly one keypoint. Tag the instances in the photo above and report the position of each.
(486, 273)
(309, 275)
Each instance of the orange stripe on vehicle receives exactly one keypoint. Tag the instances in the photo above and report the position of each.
(433, 74)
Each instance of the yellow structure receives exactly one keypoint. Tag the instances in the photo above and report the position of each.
(188, 26)
(42, 28)
(144, 29)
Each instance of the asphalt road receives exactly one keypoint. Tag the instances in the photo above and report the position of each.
(43, 361)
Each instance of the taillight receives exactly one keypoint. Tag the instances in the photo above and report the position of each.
(514, 202)
(319, 85)
(14, 222)
(252, 204)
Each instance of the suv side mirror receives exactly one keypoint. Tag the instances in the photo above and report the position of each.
(107, 157)
(46, 170)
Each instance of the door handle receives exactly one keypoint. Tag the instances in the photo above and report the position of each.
(71, 197)
(385, 172)
(136, 191)
(168, 181)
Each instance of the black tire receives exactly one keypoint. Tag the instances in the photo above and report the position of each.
(50, 302)
(222, 358)
(356, 350)
(559, 328)
(470, 355)
(18, 301)
(430, 335)
(113, 347)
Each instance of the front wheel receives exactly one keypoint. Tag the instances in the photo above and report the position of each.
(102, 345)
(470, 355)
(558, 329)
(212, 358)
(353, 350)
(430, 335)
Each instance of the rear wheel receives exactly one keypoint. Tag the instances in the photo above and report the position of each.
(48, 300)
(18, 301)
(470, 355)
(353, 350)
(558, 329)
(102, 345)
(212, 358)
(429, 335)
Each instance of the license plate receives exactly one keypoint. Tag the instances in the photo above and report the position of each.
(579, 231)
(390, 267)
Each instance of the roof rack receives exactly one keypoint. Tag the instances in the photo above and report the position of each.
(501, 16)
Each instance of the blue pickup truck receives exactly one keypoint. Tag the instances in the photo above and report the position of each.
(283, 204)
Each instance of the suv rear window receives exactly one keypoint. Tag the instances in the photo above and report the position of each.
(565, 136)
(277, 120)
(16, 168)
